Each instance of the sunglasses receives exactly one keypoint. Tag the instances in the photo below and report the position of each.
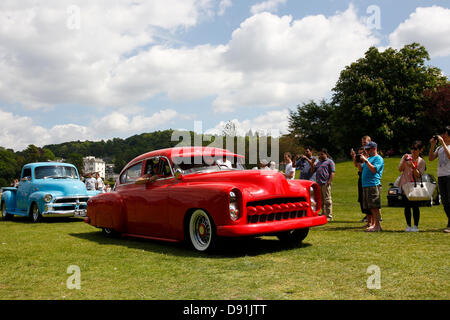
(414, 148)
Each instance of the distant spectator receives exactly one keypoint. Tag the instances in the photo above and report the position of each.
(263, 165)
(304, 164)
(90, 182)
(100, 185)
(108, 187)
(325, 171)
(412, 167)
(273, 166)
(443, 153)
(289, 171)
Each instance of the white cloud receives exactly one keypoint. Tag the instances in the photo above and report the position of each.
(18, 132)
(223, 6)
(428, 26)
(272, 123)
(269, 6)
(47, 58)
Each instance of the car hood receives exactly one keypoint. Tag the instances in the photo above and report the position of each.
(257, 184)
(61, 186)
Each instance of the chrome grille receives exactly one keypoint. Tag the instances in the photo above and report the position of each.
(278, 209)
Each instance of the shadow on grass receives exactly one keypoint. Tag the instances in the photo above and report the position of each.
(226, 248)
(27, 220)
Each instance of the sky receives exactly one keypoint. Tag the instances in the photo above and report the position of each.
(93, 70)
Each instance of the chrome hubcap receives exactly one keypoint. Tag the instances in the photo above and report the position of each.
(200, 230)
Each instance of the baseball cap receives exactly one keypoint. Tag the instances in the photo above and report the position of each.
(370, 145)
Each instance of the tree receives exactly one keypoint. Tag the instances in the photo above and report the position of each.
(437, 104)
(312, 125)
(382, 95)
(8, 165)
(77, 160)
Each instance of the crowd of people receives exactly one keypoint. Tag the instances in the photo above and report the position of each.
(370, 165)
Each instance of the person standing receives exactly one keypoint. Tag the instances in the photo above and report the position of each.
(325, 171)
(443, 153)
(289, 171)
(304, 163)
(99, 182)
(372, 171)
(90, 182)
(367, 213)
(412, 167)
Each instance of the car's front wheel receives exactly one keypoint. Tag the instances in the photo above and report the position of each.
(293, 237)
(5, 215)
(201, 231)
(35, 214)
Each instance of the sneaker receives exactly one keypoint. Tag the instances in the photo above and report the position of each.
(447, 230)
(415, 229)
(329, 219)
(408, 229)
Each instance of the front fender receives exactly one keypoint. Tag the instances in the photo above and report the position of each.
(9, 198)
(38, 198)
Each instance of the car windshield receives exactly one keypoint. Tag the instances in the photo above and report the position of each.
(202, 165)
(55, 172)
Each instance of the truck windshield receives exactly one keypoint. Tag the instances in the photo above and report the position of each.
(55, 172)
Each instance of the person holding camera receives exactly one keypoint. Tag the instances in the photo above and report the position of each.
(443, 153)
(357, 160)
(304, 163)
(412, 167)
(372, 171)
(325, 171)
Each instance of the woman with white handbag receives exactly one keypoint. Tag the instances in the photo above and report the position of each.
(412, 167)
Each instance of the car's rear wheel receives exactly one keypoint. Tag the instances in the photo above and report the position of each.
(5, 215)
(35, 214)
(293, 237)
(201, 231)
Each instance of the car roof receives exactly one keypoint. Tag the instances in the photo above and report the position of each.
(186, 152)
(40, 164)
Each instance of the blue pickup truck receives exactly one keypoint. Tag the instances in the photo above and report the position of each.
(46, 189)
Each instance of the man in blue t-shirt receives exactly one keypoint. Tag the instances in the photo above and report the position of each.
(372, 171)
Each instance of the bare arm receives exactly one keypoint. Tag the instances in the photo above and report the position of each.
(432, 155)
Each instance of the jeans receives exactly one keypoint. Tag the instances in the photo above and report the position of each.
(444, 190)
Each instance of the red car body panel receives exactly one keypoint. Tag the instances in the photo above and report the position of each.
(268, 202)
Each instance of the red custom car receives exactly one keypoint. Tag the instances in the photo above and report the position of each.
(197, 194)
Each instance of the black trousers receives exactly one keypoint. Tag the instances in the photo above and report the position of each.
(444, 190)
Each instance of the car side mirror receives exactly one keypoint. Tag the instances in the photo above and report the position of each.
(178, 174)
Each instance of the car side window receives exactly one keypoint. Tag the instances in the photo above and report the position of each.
(26, 174)
(131, 174)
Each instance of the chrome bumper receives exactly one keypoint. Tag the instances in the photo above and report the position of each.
(71, 213)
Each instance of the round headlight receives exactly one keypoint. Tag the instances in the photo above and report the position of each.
(234, 210)
(48, 198)
(312, 196)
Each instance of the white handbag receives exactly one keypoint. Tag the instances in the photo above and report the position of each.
(418, 191)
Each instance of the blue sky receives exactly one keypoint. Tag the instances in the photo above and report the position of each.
(74, 70)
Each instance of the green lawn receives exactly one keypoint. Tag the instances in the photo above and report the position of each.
(332, 263)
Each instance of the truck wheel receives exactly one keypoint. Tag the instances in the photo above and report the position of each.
(5, 216)
(201, 231)
(293, 237)
(108, 232)
(35, 214)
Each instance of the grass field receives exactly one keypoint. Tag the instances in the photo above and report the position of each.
(332, 263)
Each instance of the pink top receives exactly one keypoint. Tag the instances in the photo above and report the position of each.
(407, 175)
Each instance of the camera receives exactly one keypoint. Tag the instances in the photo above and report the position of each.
(358, 158)
(408, 158)
(435, 138)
